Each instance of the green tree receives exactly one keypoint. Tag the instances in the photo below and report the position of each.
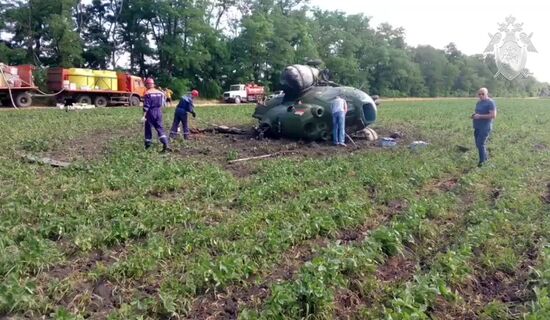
(209, 44)
(45, 29)
(97, 24)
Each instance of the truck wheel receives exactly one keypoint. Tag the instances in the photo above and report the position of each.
(84, 99)
(23, 100)
(134, 101)
(100, 102)
(237, 100)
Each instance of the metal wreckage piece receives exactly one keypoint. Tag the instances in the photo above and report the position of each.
(303, 111)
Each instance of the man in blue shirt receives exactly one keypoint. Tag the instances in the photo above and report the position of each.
(485, 113)
(184, 106)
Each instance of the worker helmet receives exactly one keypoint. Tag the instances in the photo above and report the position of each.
(194, 93)
(149, 82)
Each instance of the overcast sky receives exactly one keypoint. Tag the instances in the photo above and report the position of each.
(466, 23)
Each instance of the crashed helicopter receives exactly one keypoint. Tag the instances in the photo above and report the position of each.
(303, 110)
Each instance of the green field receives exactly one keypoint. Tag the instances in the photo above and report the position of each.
(315, 232)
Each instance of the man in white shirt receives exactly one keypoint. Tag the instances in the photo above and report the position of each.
(339, 107)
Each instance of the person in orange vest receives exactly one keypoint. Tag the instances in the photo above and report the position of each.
(153, 101)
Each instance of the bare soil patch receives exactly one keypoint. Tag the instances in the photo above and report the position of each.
(89, 146)
(224, 147)
(347, 303)
(540, 147)
(447, 185)
(397, 268)
(96, 298)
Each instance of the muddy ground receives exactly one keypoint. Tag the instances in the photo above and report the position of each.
(223, 148)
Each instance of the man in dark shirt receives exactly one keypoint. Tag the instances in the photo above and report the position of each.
(180, 116)
(485, 113)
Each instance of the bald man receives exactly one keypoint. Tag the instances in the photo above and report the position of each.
(485, 113)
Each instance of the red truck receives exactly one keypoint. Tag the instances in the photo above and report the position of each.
(16, 83)
(99, 87)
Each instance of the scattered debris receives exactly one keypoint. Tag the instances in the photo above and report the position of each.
(418, 145)
(351, 140)
(258, 157)
(45, 160)
(396, 135)
(75, 106)
(388, 143)
(223, 129)
(366, 133)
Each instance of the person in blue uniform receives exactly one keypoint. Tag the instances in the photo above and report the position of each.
(184, 107)
(485, 114)
(153, 101)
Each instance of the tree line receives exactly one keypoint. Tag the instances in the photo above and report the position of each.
(210, 44)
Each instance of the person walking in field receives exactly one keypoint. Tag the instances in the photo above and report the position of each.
(485, 114)
(169, 94)
(153, 101)
(180, 116)
(339, 107)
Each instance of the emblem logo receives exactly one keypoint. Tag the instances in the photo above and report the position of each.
(509, 50)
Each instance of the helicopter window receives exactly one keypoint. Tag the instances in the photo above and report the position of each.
(369, 112)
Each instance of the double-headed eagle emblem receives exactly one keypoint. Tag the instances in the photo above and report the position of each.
(510, 51)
